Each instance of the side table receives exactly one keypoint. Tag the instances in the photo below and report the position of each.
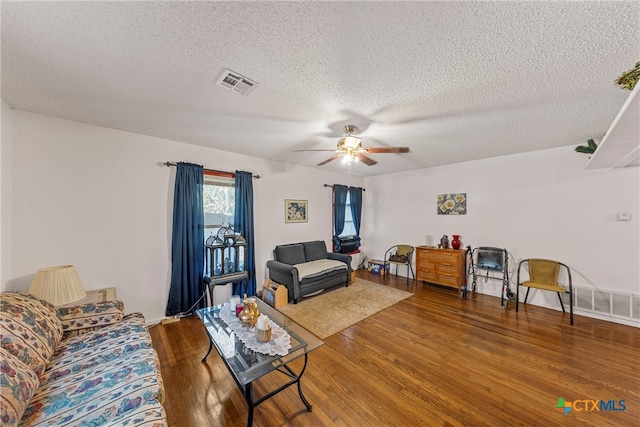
(94, 296)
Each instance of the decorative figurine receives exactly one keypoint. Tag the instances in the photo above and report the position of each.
(444, 241)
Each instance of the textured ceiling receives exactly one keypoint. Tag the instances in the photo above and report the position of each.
(454, 81)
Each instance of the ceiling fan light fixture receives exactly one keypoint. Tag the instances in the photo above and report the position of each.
(350, 142)
(351, 150)
(349, 158)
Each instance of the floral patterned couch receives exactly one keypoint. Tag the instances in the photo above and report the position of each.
(81, 366)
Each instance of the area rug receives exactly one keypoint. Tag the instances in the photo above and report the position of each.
(337, 309)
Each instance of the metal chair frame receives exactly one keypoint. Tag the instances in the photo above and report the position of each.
(407, 264)
(570, 291)
(501, 274)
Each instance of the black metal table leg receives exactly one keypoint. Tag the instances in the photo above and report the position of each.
(210, 347)
(295, 378)
(248, 395)
(304, 400)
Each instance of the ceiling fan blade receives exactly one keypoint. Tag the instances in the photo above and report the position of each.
(378, 150)
(330, 159)
(366, 160)
(313, 150)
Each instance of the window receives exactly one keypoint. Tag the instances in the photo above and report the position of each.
(349, 228)
(218, 203)
(348, 241)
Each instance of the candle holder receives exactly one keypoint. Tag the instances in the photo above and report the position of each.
(263, 335)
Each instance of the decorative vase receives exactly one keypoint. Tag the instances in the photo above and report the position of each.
(455, 243)
(444, 242)
(250, 313)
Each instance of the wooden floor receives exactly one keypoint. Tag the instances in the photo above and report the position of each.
(430, 360)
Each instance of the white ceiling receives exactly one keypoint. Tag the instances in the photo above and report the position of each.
(454, 81)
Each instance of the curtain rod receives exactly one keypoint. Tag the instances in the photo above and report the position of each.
(232, 174)
(328, 185)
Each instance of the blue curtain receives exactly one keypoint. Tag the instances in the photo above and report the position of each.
(355, 200)
(187, 243)
(243, 223)
(339, 210)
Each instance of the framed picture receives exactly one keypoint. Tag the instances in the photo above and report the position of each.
(452, 204)
(296, 210)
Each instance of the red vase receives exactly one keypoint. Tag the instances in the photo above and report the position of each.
(455, 243)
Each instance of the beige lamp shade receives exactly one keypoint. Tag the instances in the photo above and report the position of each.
(58, 285)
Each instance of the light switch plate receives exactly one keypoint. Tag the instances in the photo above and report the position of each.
(623, 216)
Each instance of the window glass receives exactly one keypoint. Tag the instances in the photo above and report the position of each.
(349, 228)
(218, 203)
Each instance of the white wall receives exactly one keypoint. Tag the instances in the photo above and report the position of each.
(97, 198)
(539, 204)
(5, 194)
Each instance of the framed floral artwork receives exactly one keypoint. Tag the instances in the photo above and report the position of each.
(296, 211)
(452, 204)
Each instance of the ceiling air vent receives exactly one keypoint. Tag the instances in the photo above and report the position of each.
(236, 82)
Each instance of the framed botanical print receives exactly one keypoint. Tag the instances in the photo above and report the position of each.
(452, 204)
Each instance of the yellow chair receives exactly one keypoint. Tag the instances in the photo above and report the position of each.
(543, 274)
(399, 255)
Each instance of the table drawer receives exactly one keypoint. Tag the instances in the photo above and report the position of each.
(428, 276)
(424, 264)
(439, 256)
(427, 254)
(449, 258)
(448, 279)
(446, 268)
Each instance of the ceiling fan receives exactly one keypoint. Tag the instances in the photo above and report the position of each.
(351, 150)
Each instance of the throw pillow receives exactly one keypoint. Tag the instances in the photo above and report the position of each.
(18, 383)
(290, 254)
(30, 329)
(314, 251)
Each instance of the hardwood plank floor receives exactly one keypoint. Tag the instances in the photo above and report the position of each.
(430, 360)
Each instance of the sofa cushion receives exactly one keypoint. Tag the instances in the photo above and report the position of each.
(103, 375)
(83, 318)
(290, 254)
(318, 267)
(147, 414)
(18, 383)
(325, 280)
(30, 329)
(315, 250)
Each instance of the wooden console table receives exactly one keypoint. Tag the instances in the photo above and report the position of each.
(445, 267)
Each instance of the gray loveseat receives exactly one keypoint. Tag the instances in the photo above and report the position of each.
(307, 267)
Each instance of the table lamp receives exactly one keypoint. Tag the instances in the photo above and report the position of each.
(58, 285)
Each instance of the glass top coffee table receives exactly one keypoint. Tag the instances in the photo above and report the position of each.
(246, 365)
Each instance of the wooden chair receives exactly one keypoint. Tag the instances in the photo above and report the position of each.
(543, 274)
(399, 255)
